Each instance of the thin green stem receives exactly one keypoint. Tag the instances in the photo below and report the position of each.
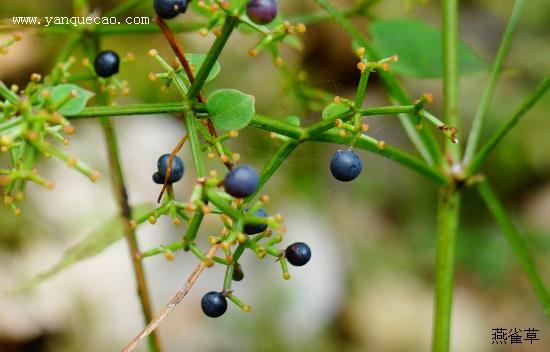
(483, 109)
(213, 54)
(451, 82)
(517, 242)
(361, 89)
(388, 110)
(328, 123)
(269, 169)
(223, 205)
(480, 157)
(194, 143)
(130, 109)
(7, 93)
(281, 127)
(192, 228)
(447, 225)
(73, 41)
(162, 249)
(288, 130)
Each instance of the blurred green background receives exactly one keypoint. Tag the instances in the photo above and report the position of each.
(369, 284)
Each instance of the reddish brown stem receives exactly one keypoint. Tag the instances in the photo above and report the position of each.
(180, 54)
(169, 35)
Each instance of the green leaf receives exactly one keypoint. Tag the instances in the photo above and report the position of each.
(195, 61)
(418, 46)
(334, 109)
(294, 120)
(230, 109)
(104, 236)
(74, 105)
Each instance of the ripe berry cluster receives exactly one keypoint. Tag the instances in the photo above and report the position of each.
(245, 225)
(241, 183)
(214, 304)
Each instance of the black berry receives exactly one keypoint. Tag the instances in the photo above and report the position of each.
(345, 165)
(213, 304)
(157, 178)
(261, 11)
(168, 9)
(252, 229)
(298, 254)
(238, 273)
(106, 63)
(241, 181)
(176, 173)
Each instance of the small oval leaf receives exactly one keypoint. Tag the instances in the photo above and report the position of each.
(230, 109)
(294, 120)
(75, 104)
(195, 61)
(333, 109)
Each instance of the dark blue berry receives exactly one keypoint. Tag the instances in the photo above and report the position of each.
(168, 9)
(176, 173)
(241, 181)
(298, 254)
(252, 229)
(106, 63)
(157, 178)
(213, 304)
(345, 165)
(261, 11)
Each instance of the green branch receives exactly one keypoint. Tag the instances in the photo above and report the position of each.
(269, 169)
(483, 109)
(281, 127)
(7, 93)
(388, 110)
(223, 205)
(130, 109)
(447, 225)
(451, 89)
(212, 56)
(328, 123)
(480, 157)
(194, 143)
(517, 242)
(284, 128)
